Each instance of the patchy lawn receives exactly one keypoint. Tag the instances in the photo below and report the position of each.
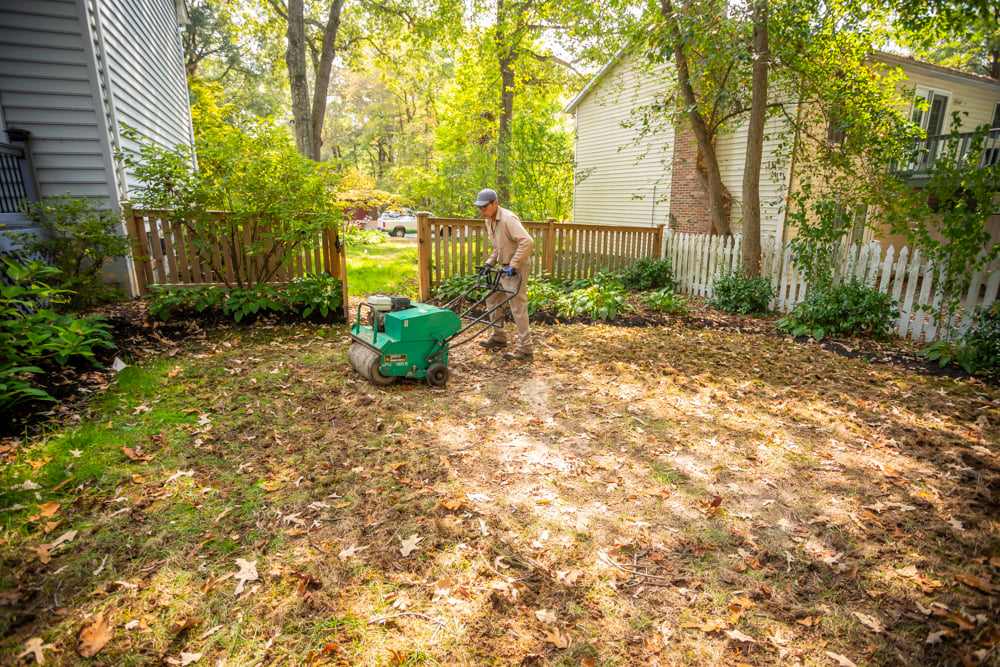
(673, 495)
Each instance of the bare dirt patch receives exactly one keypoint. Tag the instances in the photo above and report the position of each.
(692, 491)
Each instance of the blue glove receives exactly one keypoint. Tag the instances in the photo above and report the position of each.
(510, 270)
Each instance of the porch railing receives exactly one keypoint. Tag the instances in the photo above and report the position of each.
(958, 148)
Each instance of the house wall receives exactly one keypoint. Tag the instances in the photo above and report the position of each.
(619, 180)
(46, 88)
(72, 70)
(775, 174)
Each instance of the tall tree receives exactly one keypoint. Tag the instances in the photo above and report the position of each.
(755, 140)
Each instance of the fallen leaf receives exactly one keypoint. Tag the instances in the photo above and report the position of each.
(736, 635)
(305, 581)
(546, 616)
(35, 647)
(185, 623)
(248, 572)
(48, 511)
(568, 577)
(557, 638)
(843, 661)
(185, 659)
(409, 545)
(442, 588)
(980, 583)
(349, 552)
(93, 636)
(870, 622)
(938, 637)
(809, 621)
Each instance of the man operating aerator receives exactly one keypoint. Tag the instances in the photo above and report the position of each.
(511, 253)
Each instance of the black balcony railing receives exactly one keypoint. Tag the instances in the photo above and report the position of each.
(12, 186)
(957, 147)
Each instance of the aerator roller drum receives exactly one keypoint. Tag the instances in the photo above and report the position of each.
(403, 338)
(368, 363)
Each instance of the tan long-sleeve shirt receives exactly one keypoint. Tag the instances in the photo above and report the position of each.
(510, 240)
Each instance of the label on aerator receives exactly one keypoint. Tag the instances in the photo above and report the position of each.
(395, 358)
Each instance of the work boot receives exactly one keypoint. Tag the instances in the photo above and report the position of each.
(492, 344)
(517, 355)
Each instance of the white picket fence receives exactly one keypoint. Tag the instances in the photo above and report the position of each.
(697, 259)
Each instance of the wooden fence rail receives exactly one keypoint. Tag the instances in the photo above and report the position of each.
(454, 246)
(166, 254)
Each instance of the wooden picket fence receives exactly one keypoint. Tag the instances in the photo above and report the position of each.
(165, 254)
(697, 259)
(454, 246)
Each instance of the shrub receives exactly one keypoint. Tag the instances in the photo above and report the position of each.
(735, 294)
(543, 295)
(34, 338)
(665, 301)
(355, 236)
(456, 285)
(603, 300)
(847, 309)
(315, 294)
(648, 273)
(980, 349)
(78, 238)
(167, 304)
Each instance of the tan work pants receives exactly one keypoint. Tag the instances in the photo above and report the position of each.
(518, 308)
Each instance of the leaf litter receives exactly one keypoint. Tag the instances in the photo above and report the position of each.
(696, 488)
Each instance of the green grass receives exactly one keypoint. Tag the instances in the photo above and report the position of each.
(389, 267)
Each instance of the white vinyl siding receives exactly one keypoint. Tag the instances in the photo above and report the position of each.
(616, 176)
(144, 56)
(774, 174)
(45, 88)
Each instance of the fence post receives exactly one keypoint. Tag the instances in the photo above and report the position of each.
(549, 249)
(424, 254)
(142, 271)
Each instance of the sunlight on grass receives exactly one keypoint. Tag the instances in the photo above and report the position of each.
(389, 267)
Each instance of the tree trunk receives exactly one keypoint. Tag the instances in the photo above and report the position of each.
(323, 70)
(755, 143)
(504, 57)
(717, 192)
(295, 59)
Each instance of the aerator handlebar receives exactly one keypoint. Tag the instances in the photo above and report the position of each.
(487, 277)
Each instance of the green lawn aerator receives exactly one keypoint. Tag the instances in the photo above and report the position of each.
(404, 338)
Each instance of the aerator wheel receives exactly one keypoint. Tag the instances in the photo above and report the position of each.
(437, 375)
(368, 363)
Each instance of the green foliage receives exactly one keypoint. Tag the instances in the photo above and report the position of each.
(648, 273)
(544, 295)
(354, 236)
(604, 299)
(35, 338)
(78, 238)
(665, 301)
(315, 294)
(945, 219)
(979, 349)
(734, 293)
(455, 286)
(847, 309)
(310, 297)
(277, 200)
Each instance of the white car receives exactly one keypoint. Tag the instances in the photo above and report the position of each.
(395, 222)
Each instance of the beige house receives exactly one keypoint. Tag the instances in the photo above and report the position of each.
(625, 176)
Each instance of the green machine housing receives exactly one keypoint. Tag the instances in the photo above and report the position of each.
(410, 340)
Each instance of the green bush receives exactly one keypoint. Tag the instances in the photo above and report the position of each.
(980, 349)
(456, 285)
(648, 273)
(848, 309)
(355, 236)
(604, 299)
(665, 301)
(543, 295)
(167, 304)
(315, 294)
(35, 338)
(735, 294)
(78, 238)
